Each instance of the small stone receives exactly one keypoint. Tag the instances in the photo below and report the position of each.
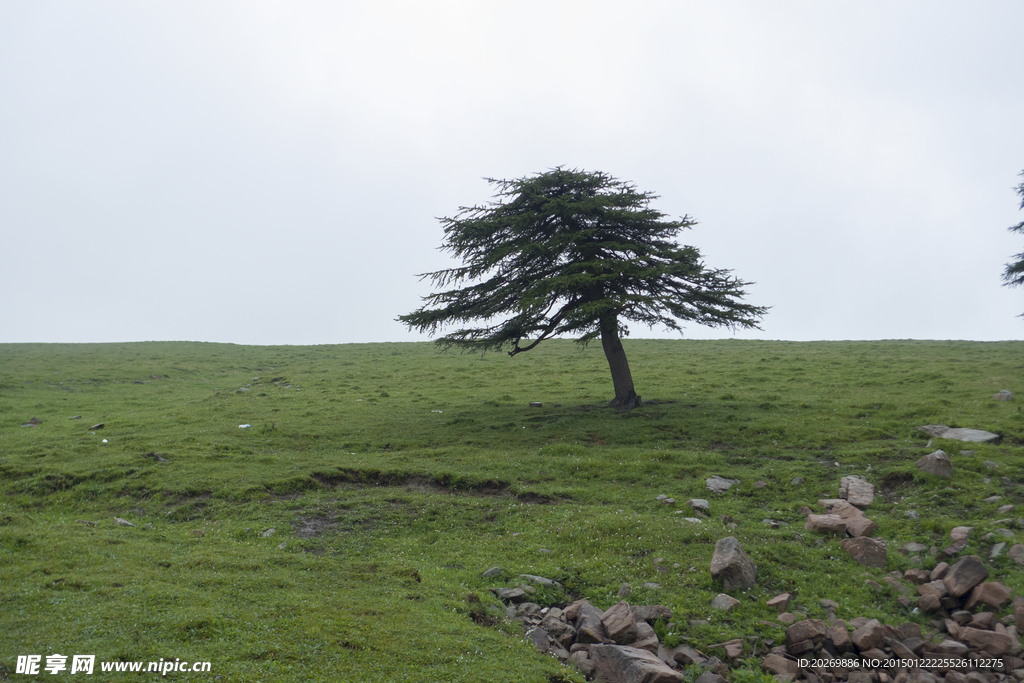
(536, 404)
(779, 602)
(269, 532)
(1002, 395)
(826, 524)
(959, 532)
(492, 572)
(624, 591)
(997, 550)
(96, 426)
(992, 499)
(1017, 555)
(788, 618)
(724, 602)
(122, 522)
(199, 532)
(1003, 509)
(797, 481)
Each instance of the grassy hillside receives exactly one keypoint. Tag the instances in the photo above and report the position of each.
(392, 476)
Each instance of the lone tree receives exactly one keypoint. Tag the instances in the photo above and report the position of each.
(571, 252)
(1014, 274)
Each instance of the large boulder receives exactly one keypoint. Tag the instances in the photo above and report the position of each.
(731, 566)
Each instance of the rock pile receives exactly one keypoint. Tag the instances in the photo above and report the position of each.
(969, 644)
(968, 647)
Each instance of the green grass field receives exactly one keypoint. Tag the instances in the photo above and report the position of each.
(392, 476)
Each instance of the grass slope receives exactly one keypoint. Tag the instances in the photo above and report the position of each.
(392, 476)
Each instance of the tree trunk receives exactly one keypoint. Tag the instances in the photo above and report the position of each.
(622, 379)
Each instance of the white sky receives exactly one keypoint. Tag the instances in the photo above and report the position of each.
(270, 172)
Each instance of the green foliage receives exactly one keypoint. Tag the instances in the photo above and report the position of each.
(1013, 276)
(384, 515)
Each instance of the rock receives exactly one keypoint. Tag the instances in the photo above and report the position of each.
(953, 549)
(96, 426)
(856, 523)
(964, 575)
(1002, 395)
(619, 624)
(991, 593)
(993, 643)
(539, 638)
(733, 648)
(812, 630)
(492, 572)
(780, 665)
(958, 532)
(959, 434)
(856, 490)
(936, 463)
(700, 505)
(199, 532)
(724, 602)
(540, 581)
(866, 551)
(779, 602)
(646, 638)
(269, 532)
(839, 637)
(870, 635)
(624, 664)
(122, 522)
(624, 591)
(589, 625)
(939, 572)
(1018, 611)
(731, 566)
(687, 656)
(788, 618)
(717, 484)
(826, 524)
(515, 595)
(997, 550)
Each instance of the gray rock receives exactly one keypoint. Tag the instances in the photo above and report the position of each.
(724, 602)
(997, 550)
(700, 505)
(540, 581)
(492, 572)
(731, 566)
(959, 434)
(624, 591)
(936, 463)
(1002, 395)
(1017, 555)
(717, 484)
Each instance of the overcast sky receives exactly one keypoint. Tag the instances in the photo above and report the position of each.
(271, 172)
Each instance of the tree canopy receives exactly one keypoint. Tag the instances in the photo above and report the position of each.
(1013, 276)
(570, 252)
